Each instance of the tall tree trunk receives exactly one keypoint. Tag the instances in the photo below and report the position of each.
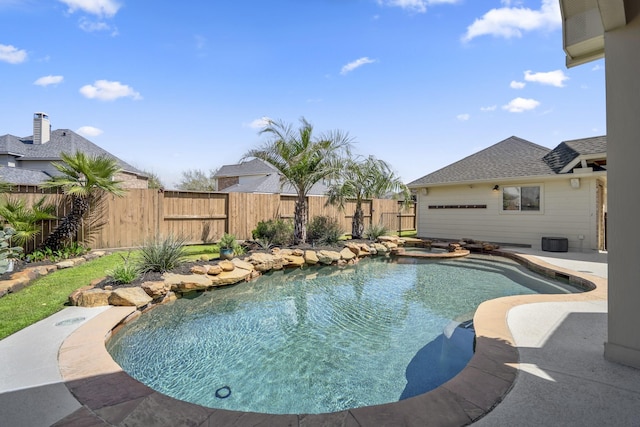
(300, 220)
(357, 224)
(70, 224)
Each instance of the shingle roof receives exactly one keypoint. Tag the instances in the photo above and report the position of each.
(510, 158)
(271, 184)
(67, 141)
(22, 176)
(251, 167)
(567, 151)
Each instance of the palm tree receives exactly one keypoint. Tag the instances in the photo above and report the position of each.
(25, 220)
(302, 161)
(361, 180)
(83, 178)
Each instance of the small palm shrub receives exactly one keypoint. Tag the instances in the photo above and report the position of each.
(324, 230)
(161, 255)
(7, 252)
(126, 272)
(277, 232)
(375, 231)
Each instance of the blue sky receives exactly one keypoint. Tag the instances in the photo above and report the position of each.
(170, 86)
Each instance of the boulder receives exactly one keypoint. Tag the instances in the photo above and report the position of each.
(134, 296)
(266, 262)
(155, 289)
(214, 270)
(226, 265)
(379, 247)
(199, 269)
(244, 265)
(328, 257)
(93, 298)
(230, 277)
(187, 282)
(347, 254)
(310, 257)
(293, 261)
(65, 264)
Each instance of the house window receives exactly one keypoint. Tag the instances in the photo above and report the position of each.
(521, 198)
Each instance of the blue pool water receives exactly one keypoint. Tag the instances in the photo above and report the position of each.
(320, 339)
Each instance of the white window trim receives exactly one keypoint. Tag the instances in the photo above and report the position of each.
(521, 212)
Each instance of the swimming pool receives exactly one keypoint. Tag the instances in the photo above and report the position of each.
(321, 339)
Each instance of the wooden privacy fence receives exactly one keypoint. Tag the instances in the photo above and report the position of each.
(200, 217)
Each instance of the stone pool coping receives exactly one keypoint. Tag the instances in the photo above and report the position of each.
(111, 397)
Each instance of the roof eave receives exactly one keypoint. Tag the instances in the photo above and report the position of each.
(584, 24)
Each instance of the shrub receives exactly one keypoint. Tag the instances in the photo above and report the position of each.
(375, 231)
(277, 232)
(126, 272)
(7, 252)
(324, 230)
(162, 255)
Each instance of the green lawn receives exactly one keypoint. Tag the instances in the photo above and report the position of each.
(50, 294)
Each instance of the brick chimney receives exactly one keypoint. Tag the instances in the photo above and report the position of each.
(41, 128)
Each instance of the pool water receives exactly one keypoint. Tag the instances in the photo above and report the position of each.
(320, 339)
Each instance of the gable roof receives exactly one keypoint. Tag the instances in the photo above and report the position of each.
(568, 151)
(512, 157)
(251, 167)
(62, 141)
(270, 184)
(515, 157)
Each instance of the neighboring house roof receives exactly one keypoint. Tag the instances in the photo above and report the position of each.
(23, 176)
(62, 141)
(251, 167)
(513, 158)
(270, 184)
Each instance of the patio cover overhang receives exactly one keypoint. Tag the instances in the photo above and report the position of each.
(584, 23)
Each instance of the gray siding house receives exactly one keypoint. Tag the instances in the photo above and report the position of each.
(28, 160)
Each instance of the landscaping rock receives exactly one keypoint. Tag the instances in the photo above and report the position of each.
(65, 264)
(156, 290)
(328, 257)
(214, 270)
(230, 277)
(293, 261)
(266, 262)
(347, 254)
(226, 265)
(244, 265)
(93, 298)
(200, 269)
(310, 257)
(187, 282)
(134, 296)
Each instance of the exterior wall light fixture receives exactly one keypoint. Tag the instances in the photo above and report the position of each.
(496, 188)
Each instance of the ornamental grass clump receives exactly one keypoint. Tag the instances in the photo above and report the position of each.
(125, 272)
(161, 255)
(374, 231)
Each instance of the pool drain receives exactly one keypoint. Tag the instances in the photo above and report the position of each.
(223, 392)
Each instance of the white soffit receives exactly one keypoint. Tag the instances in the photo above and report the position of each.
(584, 23)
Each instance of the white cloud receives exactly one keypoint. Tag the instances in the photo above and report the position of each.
(12, 54)
(259, 123)
(48, 80)
(105, 90)
(517, 85)
(489, 108)
(519, 105)
(356, 64)
(463, 117)
(552, 78)
(89, 131)
(419, 6)
(511, 22)
(100, 8)
(93, 26)
(597, 67)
